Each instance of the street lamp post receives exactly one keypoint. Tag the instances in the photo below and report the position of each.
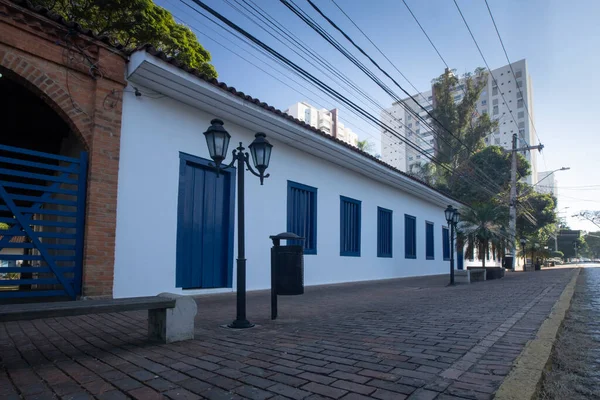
(523, 243)
(217, 139)
(452, 217)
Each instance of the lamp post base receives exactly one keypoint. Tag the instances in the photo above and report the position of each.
(240, 324)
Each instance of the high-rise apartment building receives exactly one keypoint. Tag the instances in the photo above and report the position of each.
(547, 183)
(508, 99)
(324, 120)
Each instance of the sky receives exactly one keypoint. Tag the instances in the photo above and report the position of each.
(560, 40)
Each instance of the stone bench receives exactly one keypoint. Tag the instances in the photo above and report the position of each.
(477, 274)
(170, 316)
(462, 276)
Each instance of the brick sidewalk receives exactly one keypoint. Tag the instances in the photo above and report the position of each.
(408, 338)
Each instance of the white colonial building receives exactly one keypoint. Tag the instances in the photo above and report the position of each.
(363, 219)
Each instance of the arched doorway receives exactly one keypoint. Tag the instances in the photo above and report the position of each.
(43, 169)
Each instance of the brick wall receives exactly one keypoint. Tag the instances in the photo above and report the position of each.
(46, 57)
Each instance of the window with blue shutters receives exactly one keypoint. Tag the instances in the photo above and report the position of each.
(410, 236)
(384, 232)
(429, 249)
(349, 227)
(302, 215)
(446, 243)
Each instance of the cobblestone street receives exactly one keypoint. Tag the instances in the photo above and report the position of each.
(574, 370)
(408, 338)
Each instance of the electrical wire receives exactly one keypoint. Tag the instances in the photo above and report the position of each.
(489, 69)
(340, 48)
(307, 75)
(229, 23)
(270, 65)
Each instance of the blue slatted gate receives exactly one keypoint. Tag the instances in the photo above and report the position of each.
(42, 213)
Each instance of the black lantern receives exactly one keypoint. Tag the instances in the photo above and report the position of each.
(449, 212)
(217, 139)
(456, 217)
(260, 149)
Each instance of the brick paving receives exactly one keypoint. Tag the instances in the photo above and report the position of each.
(399, 339)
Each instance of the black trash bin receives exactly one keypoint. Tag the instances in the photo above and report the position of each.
(538, 264)
(507, 262)
(287, 268)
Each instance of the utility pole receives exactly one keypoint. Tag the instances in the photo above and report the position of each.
(513, 195)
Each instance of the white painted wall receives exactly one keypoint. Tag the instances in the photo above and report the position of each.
(153, 133)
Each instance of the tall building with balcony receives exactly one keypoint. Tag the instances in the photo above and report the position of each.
(324, 120)
(505, 99)
(547, 183)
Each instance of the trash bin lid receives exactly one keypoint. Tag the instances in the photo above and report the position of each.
(286, 236)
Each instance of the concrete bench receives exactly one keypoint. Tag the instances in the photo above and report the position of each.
(462, 276)
(477, 274)
(170, 316)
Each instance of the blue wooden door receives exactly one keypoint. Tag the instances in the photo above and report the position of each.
(205, 225)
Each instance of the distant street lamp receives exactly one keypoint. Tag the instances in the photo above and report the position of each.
(523, 243)
(452, 218)
(217, 140)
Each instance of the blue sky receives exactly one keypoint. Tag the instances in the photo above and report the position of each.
(559, 39)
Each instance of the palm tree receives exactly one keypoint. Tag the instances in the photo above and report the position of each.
(484, 224)
(364, 145)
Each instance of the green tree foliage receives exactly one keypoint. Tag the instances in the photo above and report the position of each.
(460, 118)
(593, 244)
(365, 145)
(134, 23)
(492, 163)
(4, 226)
(539, 208)
(482, 225)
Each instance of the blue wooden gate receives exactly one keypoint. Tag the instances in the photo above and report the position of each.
(42, 212)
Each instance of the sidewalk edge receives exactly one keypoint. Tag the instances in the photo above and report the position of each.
(525, 376)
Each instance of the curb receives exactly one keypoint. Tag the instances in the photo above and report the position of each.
(523, 380)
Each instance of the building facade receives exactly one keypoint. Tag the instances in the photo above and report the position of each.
(507, 99)
(325, 120)
(362, 220)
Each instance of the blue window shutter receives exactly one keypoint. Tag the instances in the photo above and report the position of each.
(302, 214)
(410, 236)
(446, 243)
(384, 232)
(350, 222)
(429, 245)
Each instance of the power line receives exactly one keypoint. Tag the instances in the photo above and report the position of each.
(379, 50)
(297, 41)
(511, 68)
(340, 48)
(426, 35)
(306, 75)
(489, 69)
(515, 77)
